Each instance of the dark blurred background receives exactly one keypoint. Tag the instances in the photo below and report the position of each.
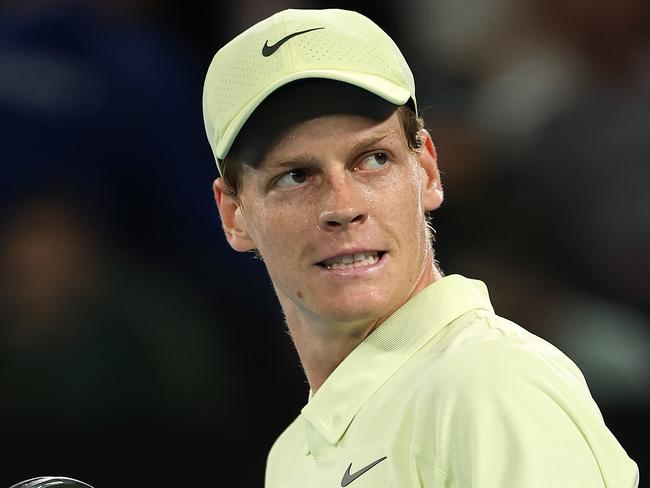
(135, 343)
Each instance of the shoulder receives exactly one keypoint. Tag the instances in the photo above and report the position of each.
(500, 403)
(490, 352)
(488, 374)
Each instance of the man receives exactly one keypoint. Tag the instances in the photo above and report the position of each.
(327, 174)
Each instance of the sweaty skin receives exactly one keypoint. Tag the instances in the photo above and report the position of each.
(330, 186)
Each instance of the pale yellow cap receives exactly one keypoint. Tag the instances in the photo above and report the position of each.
(295, 44)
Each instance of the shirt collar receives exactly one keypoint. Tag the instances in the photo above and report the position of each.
(331, 410)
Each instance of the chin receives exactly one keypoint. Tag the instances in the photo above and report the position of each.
(355, 309)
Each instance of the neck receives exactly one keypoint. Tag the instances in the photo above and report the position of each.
(323, 344)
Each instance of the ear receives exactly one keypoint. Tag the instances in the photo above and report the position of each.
(232, 218)
(431, 191)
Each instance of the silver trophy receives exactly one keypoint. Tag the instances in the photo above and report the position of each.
(51, 482)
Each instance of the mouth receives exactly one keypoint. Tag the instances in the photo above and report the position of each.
(352, 261)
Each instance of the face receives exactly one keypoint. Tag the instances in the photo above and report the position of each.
(336, 210)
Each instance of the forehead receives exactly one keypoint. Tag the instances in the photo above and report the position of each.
(341, 133)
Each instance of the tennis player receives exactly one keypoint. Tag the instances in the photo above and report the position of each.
(328, 175)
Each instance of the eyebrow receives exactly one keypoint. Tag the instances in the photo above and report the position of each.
(303, 159)
(309, 160)
(374, 139)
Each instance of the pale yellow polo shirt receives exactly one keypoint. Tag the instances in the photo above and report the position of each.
(447, 394)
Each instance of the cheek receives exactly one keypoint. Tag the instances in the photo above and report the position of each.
(399, 196)
(407, 213)
(276, 232)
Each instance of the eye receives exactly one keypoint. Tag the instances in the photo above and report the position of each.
(374, 161)
(292, 179)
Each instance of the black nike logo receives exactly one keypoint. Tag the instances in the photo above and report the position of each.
(268, 50)
(349, 478)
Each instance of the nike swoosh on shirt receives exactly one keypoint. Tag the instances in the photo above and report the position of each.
(269, 50)
(349, 478)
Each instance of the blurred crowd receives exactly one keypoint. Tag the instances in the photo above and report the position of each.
(134, 343)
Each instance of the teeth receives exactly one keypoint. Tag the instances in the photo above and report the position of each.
(356, 260)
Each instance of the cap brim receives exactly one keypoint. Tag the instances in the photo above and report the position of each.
(381, 87)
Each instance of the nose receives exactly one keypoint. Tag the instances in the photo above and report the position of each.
(344, 206)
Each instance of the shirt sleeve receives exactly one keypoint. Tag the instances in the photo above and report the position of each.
(513, 415)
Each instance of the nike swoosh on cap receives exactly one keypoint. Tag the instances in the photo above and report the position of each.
(269, 50)
(349, 478)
